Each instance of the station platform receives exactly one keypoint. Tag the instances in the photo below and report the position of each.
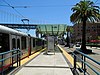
(46, 64)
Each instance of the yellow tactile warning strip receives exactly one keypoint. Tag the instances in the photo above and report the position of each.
(30, 57)
(68, 56)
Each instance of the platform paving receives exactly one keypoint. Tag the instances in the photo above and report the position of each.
(46, 65)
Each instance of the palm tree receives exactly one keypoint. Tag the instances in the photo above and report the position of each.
(68, 39)
(85, 11)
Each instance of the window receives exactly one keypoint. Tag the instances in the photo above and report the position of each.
(33, 42)
(4, 42)
(18, 43)
(13, 43)
(23, 42)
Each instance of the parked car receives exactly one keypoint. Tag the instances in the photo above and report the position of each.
(71, 45)
(77, 44)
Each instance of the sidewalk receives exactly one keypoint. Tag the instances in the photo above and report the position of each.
(46, 65)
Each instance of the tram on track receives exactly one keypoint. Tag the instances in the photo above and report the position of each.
(11, 39)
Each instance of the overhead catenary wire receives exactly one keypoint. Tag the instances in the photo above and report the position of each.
(96, 1)
(14, 9)
(37, 6)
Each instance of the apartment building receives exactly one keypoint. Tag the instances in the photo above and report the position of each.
(92, 32)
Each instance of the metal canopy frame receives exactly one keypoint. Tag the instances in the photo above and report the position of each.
(51, 29)
(20, 26)
(45, 29)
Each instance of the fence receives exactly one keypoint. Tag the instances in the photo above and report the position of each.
(7, 59)
(81, 57)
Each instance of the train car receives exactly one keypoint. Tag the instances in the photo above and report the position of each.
(36, 44)
(11, 39)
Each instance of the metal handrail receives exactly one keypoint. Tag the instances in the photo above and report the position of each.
(15, 52)
(9, 57)
(9, 51)
(85, 63)
(77, 50)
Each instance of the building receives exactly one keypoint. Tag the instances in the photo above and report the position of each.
(92, 32)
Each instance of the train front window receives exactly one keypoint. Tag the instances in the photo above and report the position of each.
(4, 42)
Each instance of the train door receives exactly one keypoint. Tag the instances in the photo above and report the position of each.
(23, 42)
(24, 46)
(29, 45)
(32, 45)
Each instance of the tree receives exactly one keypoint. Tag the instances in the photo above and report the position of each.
(67, 38)
(71, 33)
(85, 11)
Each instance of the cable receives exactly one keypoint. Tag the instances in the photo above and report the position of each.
(96, 1)
(13, 8)
(4, 5)
(37, 6)
(52, 6)
(19, 13)
(16, 6)
(8, 4)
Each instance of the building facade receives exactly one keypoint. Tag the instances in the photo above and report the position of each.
(92, 32)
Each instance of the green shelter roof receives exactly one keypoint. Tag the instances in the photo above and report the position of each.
(51, 29)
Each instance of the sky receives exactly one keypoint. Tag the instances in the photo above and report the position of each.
(42, 11)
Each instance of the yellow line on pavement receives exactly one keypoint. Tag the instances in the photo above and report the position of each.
(70, 58)
(30, 57)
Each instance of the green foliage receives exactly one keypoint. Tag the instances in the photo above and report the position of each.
(85, 9)
(98, 37)
(71, 30)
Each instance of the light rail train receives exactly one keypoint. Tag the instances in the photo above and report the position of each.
(11, 39)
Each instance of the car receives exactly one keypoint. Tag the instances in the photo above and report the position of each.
(71, 45)
(77, 44)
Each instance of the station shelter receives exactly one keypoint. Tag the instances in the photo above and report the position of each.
(51, 32)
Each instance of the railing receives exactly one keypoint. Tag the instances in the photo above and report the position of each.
(84, 63)
(7, 59)
(93, 45)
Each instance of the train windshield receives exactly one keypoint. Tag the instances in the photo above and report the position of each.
(4, 42)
